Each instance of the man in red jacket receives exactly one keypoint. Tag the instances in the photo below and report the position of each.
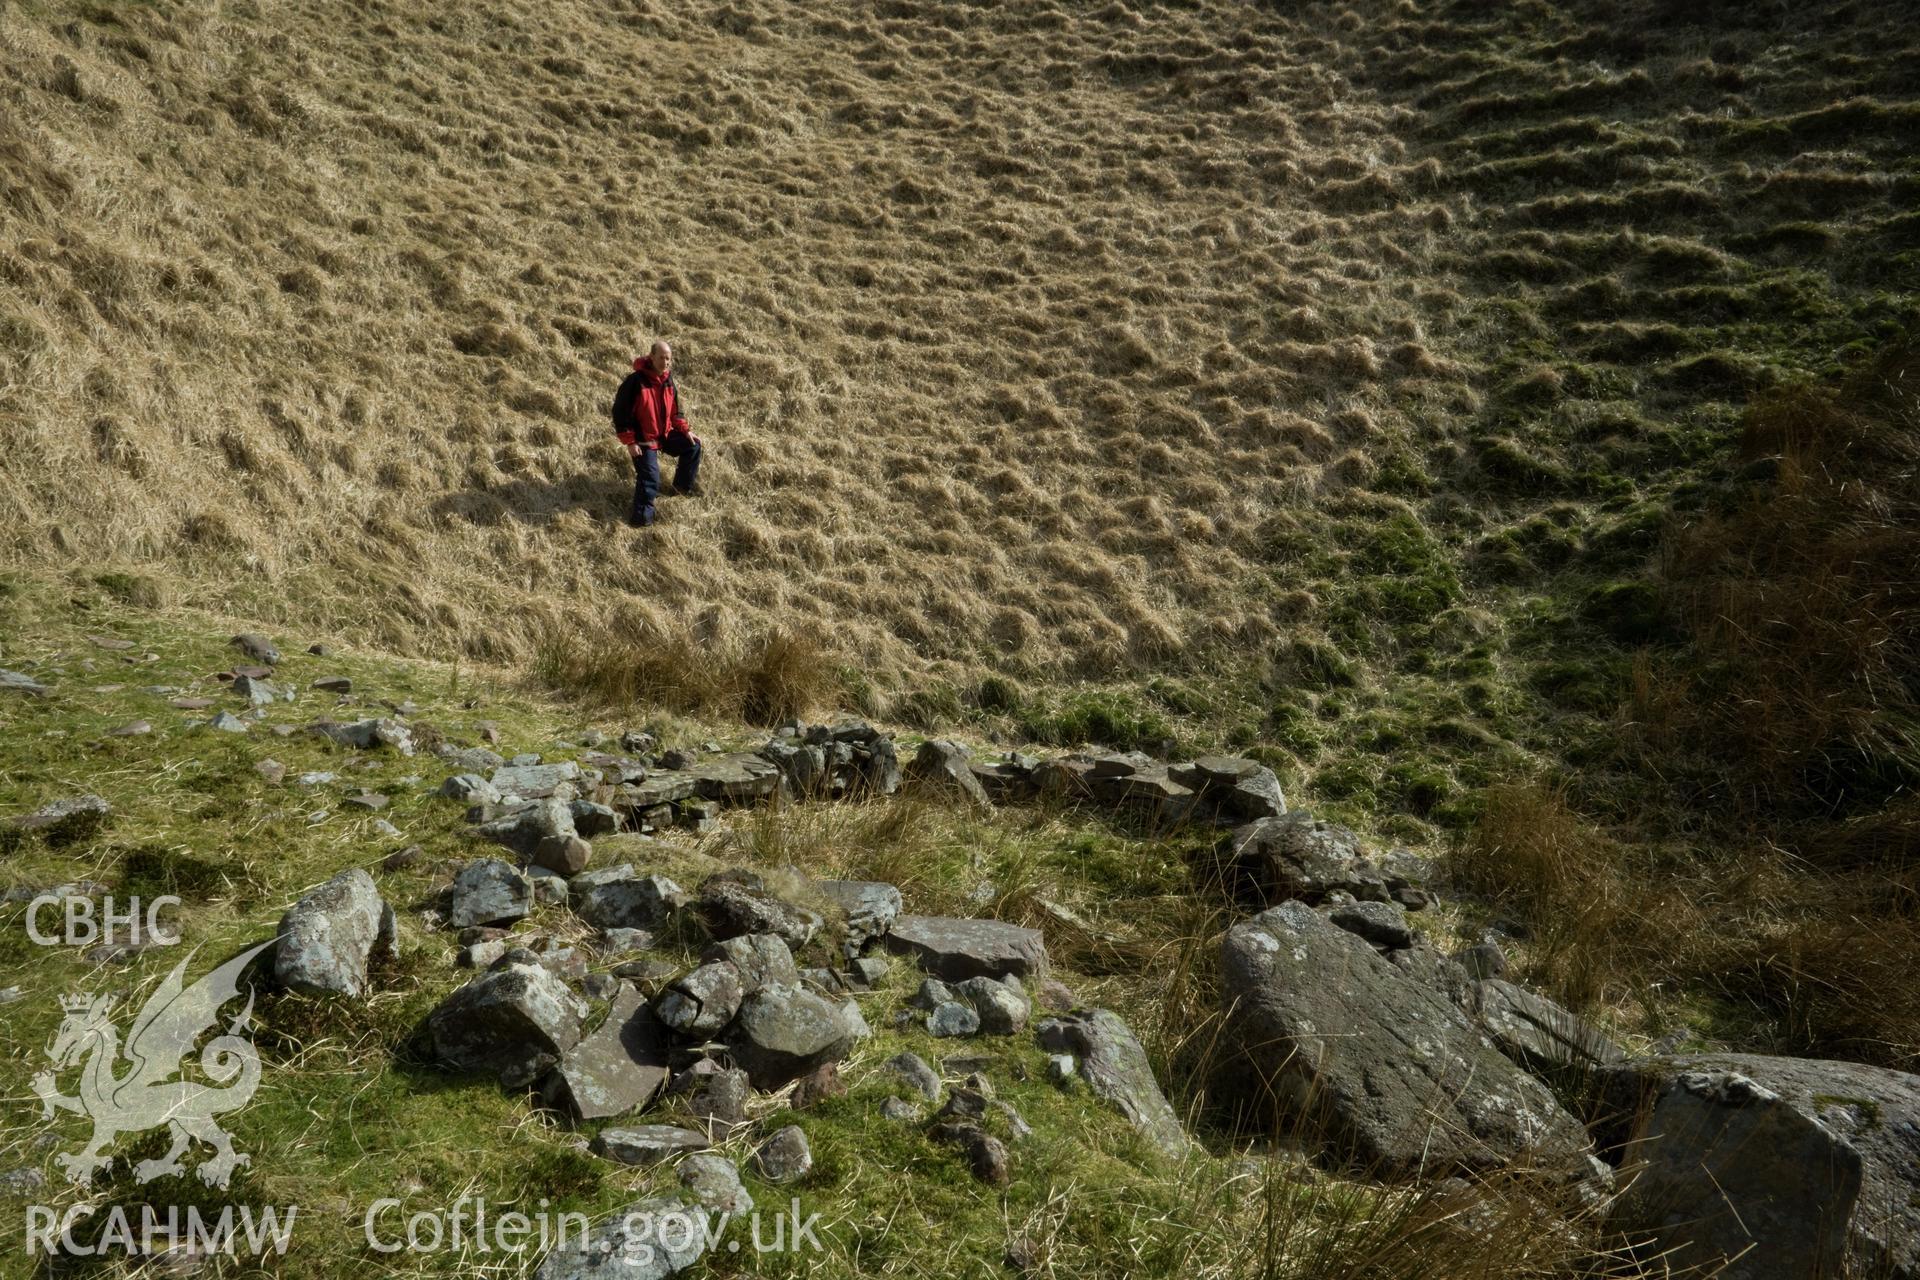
(647, 418)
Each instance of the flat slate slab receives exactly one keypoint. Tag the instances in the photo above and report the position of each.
(956, 948)
(647, 1143)
(534, 781)
(739, 777)
(621, 1067)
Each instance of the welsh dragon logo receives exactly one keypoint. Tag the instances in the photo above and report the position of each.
(147, 1095)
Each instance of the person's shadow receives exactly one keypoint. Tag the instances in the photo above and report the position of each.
(602, 493)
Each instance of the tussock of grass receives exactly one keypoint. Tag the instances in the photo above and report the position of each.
(762, 679)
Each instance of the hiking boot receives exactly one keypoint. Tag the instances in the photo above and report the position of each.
(693, 491)
(640, 520)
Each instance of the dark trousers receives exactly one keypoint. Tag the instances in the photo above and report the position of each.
(646, 466)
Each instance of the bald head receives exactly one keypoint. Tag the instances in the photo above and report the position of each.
(660, 356)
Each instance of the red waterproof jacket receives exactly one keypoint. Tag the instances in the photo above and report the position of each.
(647, 408)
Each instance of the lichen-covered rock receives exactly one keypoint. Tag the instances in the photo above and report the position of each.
(1297, 856)
(1003, 1011)
(617, 898)
(1771, 1168)
(646, 1144)
(1116, 1067)
(956, 949)
(738, 778)
(714, 1181)
(543, 833)
(785, 1157)
(732, 904)
(488, 891)
(703, 1002)
(920, 1077)
(1328, 1033)
(763, 960)
(503, 1016)
(782, 1033)
(871, 906)
(621, 1067)
(951, 1018)
(327, 938)
(534, 781)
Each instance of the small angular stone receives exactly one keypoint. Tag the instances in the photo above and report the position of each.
(785, 1157)
(953, 1019)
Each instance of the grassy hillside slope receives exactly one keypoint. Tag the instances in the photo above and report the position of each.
(1022, 336)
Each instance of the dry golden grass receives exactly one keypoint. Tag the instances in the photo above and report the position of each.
(323, 311)
(1012, 332)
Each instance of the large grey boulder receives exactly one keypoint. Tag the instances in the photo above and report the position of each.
(1324, 1031)
(488, 891)
(616, 898)
(622, 1066)
(782, 1033)
(942, 765)
(648, 1240)
(871, 906)
(955, 948)
(328, 937)
(1114, 1064)
(505, 1016)
(1773, 1168)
